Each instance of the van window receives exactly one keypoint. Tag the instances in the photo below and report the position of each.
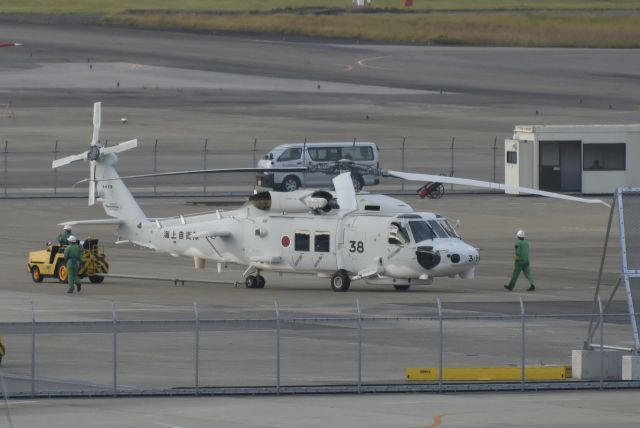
(324, 154)
(293, 153)
(357, 153)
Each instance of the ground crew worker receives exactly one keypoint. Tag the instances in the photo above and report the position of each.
(521, 263)
(2, 350)
(73, 259)
(63, 238)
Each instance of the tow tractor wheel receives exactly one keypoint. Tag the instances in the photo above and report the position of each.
(63, 273)
(251, 281)
(340, 281)
(401, 287)
(36, 276)
(260, 281)
(96, 279)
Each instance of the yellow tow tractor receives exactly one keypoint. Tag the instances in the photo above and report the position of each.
(50, 263)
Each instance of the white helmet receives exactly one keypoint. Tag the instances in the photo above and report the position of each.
(520, 233)
(67, 227)
(72, 239)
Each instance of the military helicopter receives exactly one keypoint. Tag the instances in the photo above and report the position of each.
(340, 234)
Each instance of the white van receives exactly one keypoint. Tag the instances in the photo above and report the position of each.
(306, 154)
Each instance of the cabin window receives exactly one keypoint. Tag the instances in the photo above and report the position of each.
(512, 157)
(290, 154)
(302, 241)
(397, 234)
(321, 244)
(604, 157)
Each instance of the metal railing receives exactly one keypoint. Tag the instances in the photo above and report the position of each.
(284, 354)
(27, 172)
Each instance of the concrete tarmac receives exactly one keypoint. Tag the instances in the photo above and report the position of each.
(186, 87)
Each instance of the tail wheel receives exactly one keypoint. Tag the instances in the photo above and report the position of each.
(340, 281)
(36, 276)
(63, 273)
(96, 279)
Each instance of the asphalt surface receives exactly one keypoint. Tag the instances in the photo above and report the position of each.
(183, 88)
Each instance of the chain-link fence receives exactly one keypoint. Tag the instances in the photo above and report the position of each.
(28, 172)
(283, 349)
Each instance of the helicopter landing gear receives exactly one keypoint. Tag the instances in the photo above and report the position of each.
(255, 281)
(340, 281)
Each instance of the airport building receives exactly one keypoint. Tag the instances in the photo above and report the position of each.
(587, 159)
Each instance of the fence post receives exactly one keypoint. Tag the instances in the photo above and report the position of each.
(440, 345)
(275, 302)
(359, 346)
(6, 172)
(33, 349)
(155, 166)
(115, 349)
(523, 350)
(452, 166)
(55, 170)
(402, 151)
(255, 148)
(204, 165)
(601, 342)
(495, 152)
(197, 350)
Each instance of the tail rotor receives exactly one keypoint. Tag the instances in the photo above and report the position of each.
(95, 153)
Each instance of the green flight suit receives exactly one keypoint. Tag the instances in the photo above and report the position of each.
(73, 258)
(521, 263)
(63, 238)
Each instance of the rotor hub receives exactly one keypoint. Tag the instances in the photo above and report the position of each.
(94, 153)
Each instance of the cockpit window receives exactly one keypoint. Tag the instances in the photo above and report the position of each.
(397, 234)
(421, 230)
(437, 229)
(451, 231)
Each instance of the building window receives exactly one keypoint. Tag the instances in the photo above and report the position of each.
(512, 157)
(302, 241)
(604, 157)
(322, 240)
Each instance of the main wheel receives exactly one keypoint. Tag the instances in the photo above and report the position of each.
(260, 281)
(290, 183)
(96, 279)
(340, 281)
(403, 287)
(36, 276)
(251, 281)
(63, 273)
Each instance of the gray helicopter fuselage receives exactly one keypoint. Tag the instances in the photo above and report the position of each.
(369, 242)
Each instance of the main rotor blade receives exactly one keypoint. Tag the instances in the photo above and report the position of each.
(69, 159)
(345, 193)
(205, 171)
(127, 145)
(97, 113)
(487, 184)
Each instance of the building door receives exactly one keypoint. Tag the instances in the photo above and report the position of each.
(560, 166)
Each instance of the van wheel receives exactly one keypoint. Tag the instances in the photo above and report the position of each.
(340, 281)
(358, 182)
(290, 183)
(36, 276)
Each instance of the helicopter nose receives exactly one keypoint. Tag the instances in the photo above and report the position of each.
(428, 257)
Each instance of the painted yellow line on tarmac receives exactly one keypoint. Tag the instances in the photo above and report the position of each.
(346, 67)
(363, 63)
(135, 66)
(437, 421)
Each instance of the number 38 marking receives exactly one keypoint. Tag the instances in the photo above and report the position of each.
(356, 247)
